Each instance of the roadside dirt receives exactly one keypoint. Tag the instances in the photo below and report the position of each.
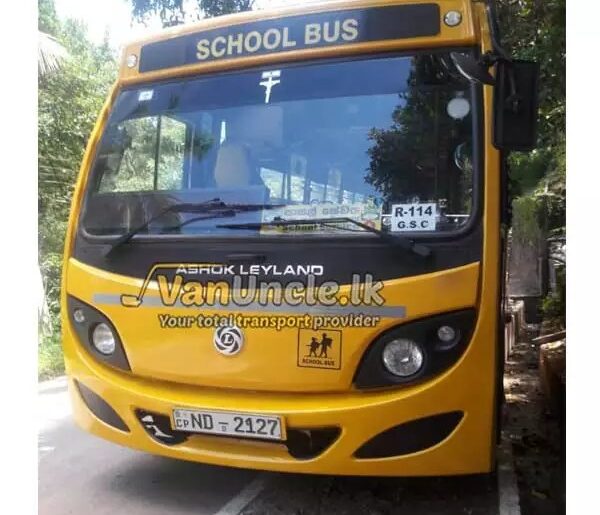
(536, 435)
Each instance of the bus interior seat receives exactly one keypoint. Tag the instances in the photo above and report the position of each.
(233, 167)
(235, 170)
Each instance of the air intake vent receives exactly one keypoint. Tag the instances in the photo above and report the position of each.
(100, 408)
(305, 444)
(414, 436)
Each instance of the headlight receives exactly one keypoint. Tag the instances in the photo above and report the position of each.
(402, 357)
(416, 350)
(97, 334)
(104, 339)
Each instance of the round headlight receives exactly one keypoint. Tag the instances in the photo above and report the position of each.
(403, 357)
(103, 339)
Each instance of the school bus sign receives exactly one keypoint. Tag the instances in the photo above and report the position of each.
(294, 33)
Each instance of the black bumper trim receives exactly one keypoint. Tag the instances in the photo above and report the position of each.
(413, 436)
(100, 408)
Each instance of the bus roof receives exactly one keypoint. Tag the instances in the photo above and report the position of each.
(325, 29)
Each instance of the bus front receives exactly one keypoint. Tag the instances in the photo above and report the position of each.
(283, 251)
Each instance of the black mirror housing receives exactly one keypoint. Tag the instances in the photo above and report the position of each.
(516, 105)
(471, 68)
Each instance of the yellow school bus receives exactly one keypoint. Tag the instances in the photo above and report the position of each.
(285, 244)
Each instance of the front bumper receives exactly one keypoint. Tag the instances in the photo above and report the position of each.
(358, 416)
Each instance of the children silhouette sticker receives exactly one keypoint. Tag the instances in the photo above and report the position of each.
(320, 349)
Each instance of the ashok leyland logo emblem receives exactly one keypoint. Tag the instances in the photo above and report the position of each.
(272, 79)
(228, 340)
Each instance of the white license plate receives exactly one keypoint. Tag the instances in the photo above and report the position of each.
(230, 423)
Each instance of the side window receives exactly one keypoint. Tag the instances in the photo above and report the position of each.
(317, 192)
(286, 186)
(134, 170)
(171, 154)
(152, 157)
(298, 168)
(273, 180)
(334, 183)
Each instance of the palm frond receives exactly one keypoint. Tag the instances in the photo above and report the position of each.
(50, 54)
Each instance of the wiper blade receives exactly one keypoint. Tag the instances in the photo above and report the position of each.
(209, 207)
(228, 210)
(395, 240)
(181, 207)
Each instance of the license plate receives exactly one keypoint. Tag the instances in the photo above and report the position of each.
(230, 423)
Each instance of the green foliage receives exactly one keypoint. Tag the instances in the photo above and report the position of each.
(47, 18)
(69, 100)
(213, 8)
(527, 223)
(50, 358)
(554, 305)
(175, 12)
(534, 29)
(136, 170)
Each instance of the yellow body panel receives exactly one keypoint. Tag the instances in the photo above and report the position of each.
(166, 374)
(180, 356)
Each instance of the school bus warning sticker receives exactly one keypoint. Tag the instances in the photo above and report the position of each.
(320, 349)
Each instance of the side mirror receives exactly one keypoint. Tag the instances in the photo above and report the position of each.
(515, 105)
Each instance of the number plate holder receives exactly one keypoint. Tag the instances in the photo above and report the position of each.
(228, 423)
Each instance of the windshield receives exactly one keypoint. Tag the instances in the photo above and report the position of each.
(386, 142)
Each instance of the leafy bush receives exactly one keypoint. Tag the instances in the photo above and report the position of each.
(69, 100)
(50, 358)
(554, 305)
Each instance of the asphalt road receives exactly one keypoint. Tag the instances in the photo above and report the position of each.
(79, 473)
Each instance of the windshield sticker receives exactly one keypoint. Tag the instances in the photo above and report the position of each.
(367, 213)
(320, 349)
(413, 217)
(145, 95)
(270, 79)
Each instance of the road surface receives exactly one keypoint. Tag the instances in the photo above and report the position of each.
(79, 473)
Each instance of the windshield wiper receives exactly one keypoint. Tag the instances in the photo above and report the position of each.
(228, 210)
(395, 240)
(213, 208)
(181, 207)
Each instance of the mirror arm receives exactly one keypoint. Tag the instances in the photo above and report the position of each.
(513, 100)
(495, 31)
